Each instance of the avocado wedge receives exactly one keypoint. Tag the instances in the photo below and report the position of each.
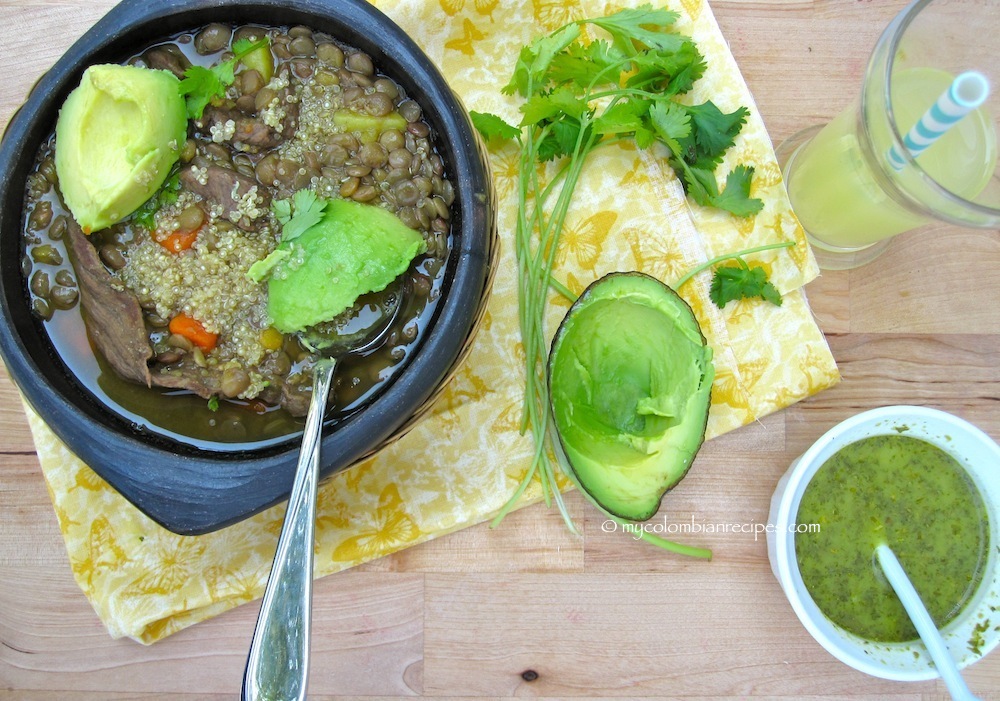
(350, 249)
(630, 378)
(118, 134)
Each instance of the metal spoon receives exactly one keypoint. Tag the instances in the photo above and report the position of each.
(278, 663)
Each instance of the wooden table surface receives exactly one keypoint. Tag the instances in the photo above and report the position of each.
(471, 614)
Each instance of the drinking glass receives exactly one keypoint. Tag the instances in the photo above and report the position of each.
(849, 195)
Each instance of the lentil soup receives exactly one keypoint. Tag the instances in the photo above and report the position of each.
(325, 119)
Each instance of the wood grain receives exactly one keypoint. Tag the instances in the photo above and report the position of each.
(15, 437)
(640, 635)
(596, 615)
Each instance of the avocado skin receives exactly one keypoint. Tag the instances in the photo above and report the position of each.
(628, 425)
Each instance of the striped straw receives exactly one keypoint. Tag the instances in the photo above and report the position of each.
(967, 92)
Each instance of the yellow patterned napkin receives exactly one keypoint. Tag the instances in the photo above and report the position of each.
(461, 464)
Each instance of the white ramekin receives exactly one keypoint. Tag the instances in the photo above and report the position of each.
(908, 661)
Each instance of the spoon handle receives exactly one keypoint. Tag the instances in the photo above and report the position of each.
(278, 663)
(923, 622)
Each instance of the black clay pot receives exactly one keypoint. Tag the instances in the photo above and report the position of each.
(186, 489)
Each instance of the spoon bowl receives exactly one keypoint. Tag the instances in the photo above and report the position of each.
(278, 661)
(359, 329)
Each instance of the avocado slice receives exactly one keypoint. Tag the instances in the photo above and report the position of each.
(353, 249)
(368, 127)
(117, 136)
(630, 379)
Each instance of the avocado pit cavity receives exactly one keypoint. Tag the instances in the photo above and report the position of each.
(630, 378)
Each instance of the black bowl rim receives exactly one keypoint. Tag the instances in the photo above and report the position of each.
(190, 491)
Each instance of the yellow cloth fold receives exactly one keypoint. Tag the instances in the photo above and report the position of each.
(461, 464)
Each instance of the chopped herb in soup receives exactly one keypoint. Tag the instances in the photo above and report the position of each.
(911, 495)
(175, 333)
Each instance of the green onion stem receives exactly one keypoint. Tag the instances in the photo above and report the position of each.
(544, 260)
(679, 548)
(561, 289)
(536, 260)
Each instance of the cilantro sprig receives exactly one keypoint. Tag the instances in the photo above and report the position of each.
(578, 95)
(201, 85)
(300, 213)
(740, 281)
(296, 215)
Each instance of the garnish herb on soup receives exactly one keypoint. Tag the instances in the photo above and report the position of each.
(212, 196)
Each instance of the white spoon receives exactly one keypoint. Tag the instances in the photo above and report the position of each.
(922, 621)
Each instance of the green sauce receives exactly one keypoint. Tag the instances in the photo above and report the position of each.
(907, 493)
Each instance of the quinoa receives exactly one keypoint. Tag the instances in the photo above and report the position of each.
(207, 282)
(223, 132)
(317, 105)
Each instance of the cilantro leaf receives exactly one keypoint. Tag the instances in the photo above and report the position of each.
(686, 76)
(699, 183)
(631, 24)
(493, 127)
(670, 122)
(742, 281)
(303, 212)
(701, 186)
(583, 65)
(667, 72)
(201, 85)
(621, 118)
(644, 137)
(545, 106)
(282, 210)
(735, 197)
(567, 133)
(534, 60)
(713, 132)
(562, 139)
(213, 402)
(518, 84)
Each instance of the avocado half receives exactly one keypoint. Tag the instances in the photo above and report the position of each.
(630, 380)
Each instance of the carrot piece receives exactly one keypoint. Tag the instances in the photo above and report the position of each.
(192, 330)
(180, 240)
(256, 406)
